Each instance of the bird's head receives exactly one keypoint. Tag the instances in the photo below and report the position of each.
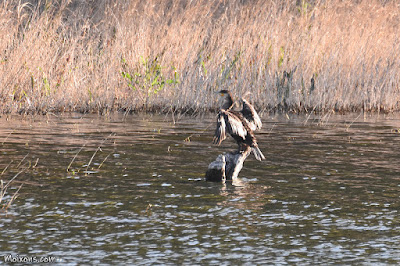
(223, 93)
(227, 99)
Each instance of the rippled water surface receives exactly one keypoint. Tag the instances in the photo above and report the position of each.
(130, 189)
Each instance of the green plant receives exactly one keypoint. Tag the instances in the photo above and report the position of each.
(303, 7)
(281, 56)
(46, 83)
(227, 68)
(147, 77)
(269, 54)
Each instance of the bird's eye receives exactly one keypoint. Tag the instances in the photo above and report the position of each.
(222, 94)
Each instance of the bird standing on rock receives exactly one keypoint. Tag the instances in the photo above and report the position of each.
(239, 124)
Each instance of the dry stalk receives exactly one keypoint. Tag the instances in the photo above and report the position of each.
(4, 186)
(296, 56)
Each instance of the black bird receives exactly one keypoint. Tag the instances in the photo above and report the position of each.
(239, 124)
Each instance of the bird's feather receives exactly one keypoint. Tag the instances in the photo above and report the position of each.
(228, 122)
(220, 131)
(235, 125)
(251, 115)
(257, 153)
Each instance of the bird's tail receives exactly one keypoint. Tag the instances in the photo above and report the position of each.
(257, 153)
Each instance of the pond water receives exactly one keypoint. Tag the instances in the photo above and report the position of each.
(130, 189)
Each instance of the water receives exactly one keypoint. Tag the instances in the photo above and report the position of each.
(134, 191)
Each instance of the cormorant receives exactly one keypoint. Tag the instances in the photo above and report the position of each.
(240, 125)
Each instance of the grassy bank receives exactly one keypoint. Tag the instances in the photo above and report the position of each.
(172, 55)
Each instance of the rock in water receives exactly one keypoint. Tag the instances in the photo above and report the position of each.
(227, 166)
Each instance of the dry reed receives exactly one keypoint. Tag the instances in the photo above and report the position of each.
(5, 202)
(172, 55)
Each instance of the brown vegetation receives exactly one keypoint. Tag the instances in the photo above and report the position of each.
(98, 56)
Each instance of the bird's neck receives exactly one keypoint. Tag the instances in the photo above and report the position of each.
(228, 102)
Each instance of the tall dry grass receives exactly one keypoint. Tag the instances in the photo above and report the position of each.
(172, 55)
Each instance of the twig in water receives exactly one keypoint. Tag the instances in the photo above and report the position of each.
(352, 122)
(22, 160)
(104, 160)
(73, 159)
(98, 148)
(5, 169)
(91, 158)
(7, 137)
(269, 131)
(308, 116)
(3, 189)
(15, 176)
(37, 160)
(13, 197)
(325, 118)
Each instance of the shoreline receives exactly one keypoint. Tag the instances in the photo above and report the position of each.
(190, 112)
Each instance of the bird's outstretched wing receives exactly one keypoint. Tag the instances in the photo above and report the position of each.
(228, 122)
(251, 115)
(220, 131)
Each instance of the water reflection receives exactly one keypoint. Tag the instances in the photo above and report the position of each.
(245, 194)
(130, 189)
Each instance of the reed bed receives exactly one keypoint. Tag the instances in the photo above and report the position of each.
(293, 56)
